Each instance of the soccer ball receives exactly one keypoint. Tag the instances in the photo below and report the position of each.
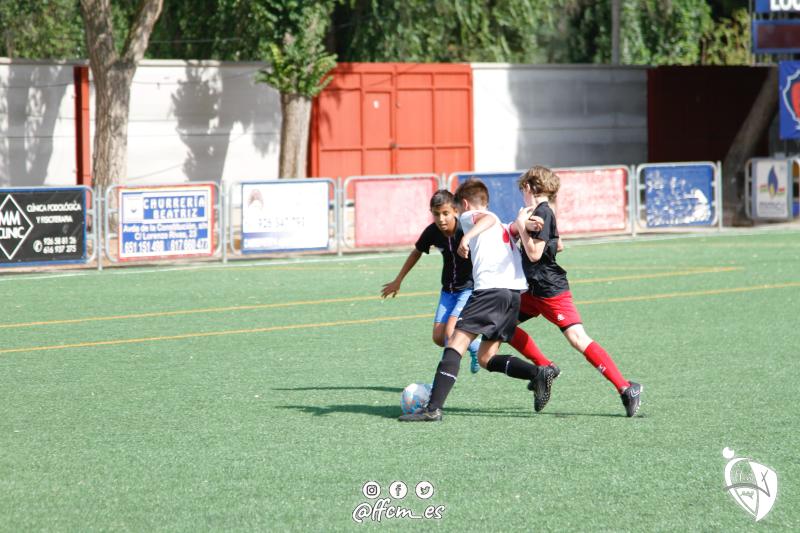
(415, 397)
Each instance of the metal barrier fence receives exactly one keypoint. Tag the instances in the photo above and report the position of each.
(771, 189)
(163, 222)
(58, 225)
(591, 199)
(282, 216)
(383, 213)
(677, 194)
(48, 226)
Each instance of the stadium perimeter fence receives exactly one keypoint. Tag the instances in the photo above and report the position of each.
(44, 226)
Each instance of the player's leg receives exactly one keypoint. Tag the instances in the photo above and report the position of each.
(461, 300)
(629, 391)
(596, 355)
(444, 379)
(440, 319)
(521, 341)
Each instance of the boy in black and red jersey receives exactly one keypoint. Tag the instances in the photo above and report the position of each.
(549, 294)
(444, 234)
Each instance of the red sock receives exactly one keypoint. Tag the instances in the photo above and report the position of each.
(524, 344)
(600, 359)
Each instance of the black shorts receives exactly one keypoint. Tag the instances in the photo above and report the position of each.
(491, 313)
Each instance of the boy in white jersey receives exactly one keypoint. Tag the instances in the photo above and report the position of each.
(492, 309)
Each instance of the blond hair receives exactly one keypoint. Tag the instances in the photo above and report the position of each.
(540, 181)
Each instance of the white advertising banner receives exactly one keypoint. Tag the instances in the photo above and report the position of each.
(285, 215)
(771, 189)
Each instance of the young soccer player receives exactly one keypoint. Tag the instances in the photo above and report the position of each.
(549, 294)
(491, 310)
(445, 234)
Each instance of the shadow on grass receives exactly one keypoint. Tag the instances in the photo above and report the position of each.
(393, 411)
(354, 387)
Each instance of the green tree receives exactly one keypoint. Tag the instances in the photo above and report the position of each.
(48, 29)
(299, 64)
(728, 42)
(654, 32)
(113, 65)
(445, 31)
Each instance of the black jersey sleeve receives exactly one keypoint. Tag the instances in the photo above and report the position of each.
(546, 214)
(426, 239)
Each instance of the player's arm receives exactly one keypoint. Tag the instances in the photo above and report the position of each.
(483, 222)
(391, 288)
(534, 248)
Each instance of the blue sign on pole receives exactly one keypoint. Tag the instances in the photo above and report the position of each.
(777, 6)
(789, 99)
(679, 195)
(505, 199)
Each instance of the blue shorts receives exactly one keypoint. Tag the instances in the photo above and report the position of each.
(451, 304)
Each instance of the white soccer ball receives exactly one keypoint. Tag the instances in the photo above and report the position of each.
(415, 397)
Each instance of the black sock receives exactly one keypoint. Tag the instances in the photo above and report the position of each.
(512, 367)
(445, 378)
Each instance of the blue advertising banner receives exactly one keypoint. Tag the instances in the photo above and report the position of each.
(789, 99)
(679, 195)
(777, 6)
(505, 200)
(158, 222)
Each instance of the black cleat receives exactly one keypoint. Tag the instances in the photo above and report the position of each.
(423, 416)
(632, 398)
(541, 385)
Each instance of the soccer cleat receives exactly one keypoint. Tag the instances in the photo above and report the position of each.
(632, 398)
(541, 385)
(474, 366)
(423, 416)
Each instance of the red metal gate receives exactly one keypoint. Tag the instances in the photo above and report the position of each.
(393, 118)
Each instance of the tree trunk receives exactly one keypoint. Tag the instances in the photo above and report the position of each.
(113, 74)
(112, 105)
(296, 110)
(743, 148)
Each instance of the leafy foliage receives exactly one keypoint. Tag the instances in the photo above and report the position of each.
(653, 32)
(44, 29)
(296, 52)
(445, 31)
(728, 43)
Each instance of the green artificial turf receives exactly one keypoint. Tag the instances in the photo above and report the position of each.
(263, 395)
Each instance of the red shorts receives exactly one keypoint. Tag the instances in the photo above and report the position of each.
(559, 309)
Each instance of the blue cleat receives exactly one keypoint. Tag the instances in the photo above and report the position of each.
(474, 366)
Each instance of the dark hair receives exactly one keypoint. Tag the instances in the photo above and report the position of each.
(442, 197)
(474, 191)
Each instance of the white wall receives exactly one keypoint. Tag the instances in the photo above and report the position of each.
(208, 120)
(558, 115)
(189, 121)
(37, 124)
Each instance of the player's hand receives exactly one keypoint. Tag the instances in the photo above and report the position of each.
(560, 245)
(534, 224)
(390, 289)
(524, 214)
(463, 248)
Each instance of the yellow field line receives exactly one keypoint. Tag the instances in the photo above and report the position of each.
(213, 333)
(382, 319)
(708, 292)
(713, 270)
(156, 314)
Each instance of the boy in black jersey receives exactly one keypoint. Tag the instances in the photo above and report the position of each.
(549, 293)
(445, 234)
